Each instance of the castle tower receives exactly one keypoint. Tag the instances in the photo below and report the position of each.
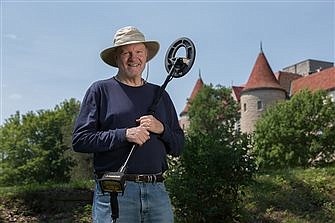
(261, 90)
(184, 120)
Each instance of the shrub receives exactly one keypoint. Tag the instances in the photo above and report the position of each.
(206, 182)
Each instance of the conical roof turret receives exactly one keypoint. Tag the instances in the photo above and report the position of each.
(262, 75)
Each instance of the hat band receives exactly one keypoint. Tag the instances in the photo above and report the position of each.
(122, 40)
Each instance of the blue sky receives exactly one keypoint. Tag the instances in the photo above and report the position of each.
(50, 49)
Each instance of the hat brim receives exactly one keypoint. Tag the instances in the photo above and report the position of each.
(109, 55)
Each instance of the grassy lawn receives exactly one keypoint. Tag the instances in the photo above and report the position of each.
(295, 195)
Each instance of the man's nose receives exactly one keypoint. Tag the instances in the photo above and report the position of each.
(131, 55)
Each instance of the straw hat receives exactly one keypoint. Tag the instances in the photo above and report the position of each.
(125, 36)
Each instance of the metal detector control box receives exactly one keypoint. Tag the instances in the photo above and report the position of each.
(112, 182)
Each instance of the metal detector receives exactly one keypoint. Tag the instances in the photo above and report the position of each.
(115, 182)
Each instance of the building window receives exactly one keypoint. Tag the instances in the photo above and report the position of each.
(244, 107)
(259, 105)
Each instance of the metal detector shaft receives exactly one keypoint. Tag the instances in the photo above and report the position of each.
(151, 111)
(176, 67)
(153, 107)
(124, 166)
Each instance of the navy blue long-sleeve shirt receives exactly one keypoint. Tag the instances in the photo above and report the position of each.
(107, 110)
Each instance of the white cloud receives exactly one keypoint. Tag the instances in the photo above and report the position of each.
(15, 96)
(11, 36)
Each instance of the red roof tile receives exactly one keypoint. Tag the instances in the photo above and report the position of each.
(324, 79)
(261, 75)
(236, 90)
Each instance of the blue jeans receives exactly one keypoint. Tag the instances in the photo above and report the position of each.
(140, 203)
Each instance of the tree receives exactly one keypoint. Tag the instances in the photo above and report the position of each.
(206, 182)
(298, 132)
(32, 146)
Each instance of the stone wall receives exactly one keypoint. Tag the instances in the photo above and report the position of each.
(60, 200)
(249, 105)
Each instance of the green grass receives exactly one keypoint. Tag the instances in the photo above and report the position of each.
(20, 189)
(293, 195)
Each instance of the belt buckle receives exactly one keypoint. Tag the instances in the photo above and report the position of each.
(146, 179)
(137, 179)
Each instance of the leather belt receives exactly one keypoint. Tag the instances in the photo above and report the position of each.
(139, 178)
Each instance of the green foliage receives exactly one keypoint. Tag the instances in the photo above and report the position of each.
(213, 109)
(298, 132)
(83, 214)
(206, 181)
(32, 146)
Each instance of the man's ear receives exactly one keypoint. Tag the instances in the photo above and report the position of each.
(147, 52)
(116, 61)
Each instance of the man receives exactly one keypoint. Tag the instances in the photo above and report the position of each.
(114, 116)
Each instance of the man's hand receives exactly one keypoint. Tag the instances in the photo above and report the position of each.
(138, 135)
(151, 124)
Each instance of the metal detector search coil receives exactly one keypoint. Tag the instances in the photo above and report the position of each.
(179, 66)
(175, 66)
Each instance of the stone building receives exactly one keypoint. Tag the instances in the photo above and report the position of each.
(265, 88)
(307, 67)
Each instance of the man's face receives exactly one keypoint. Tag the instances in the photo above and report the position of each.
(131, 59)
